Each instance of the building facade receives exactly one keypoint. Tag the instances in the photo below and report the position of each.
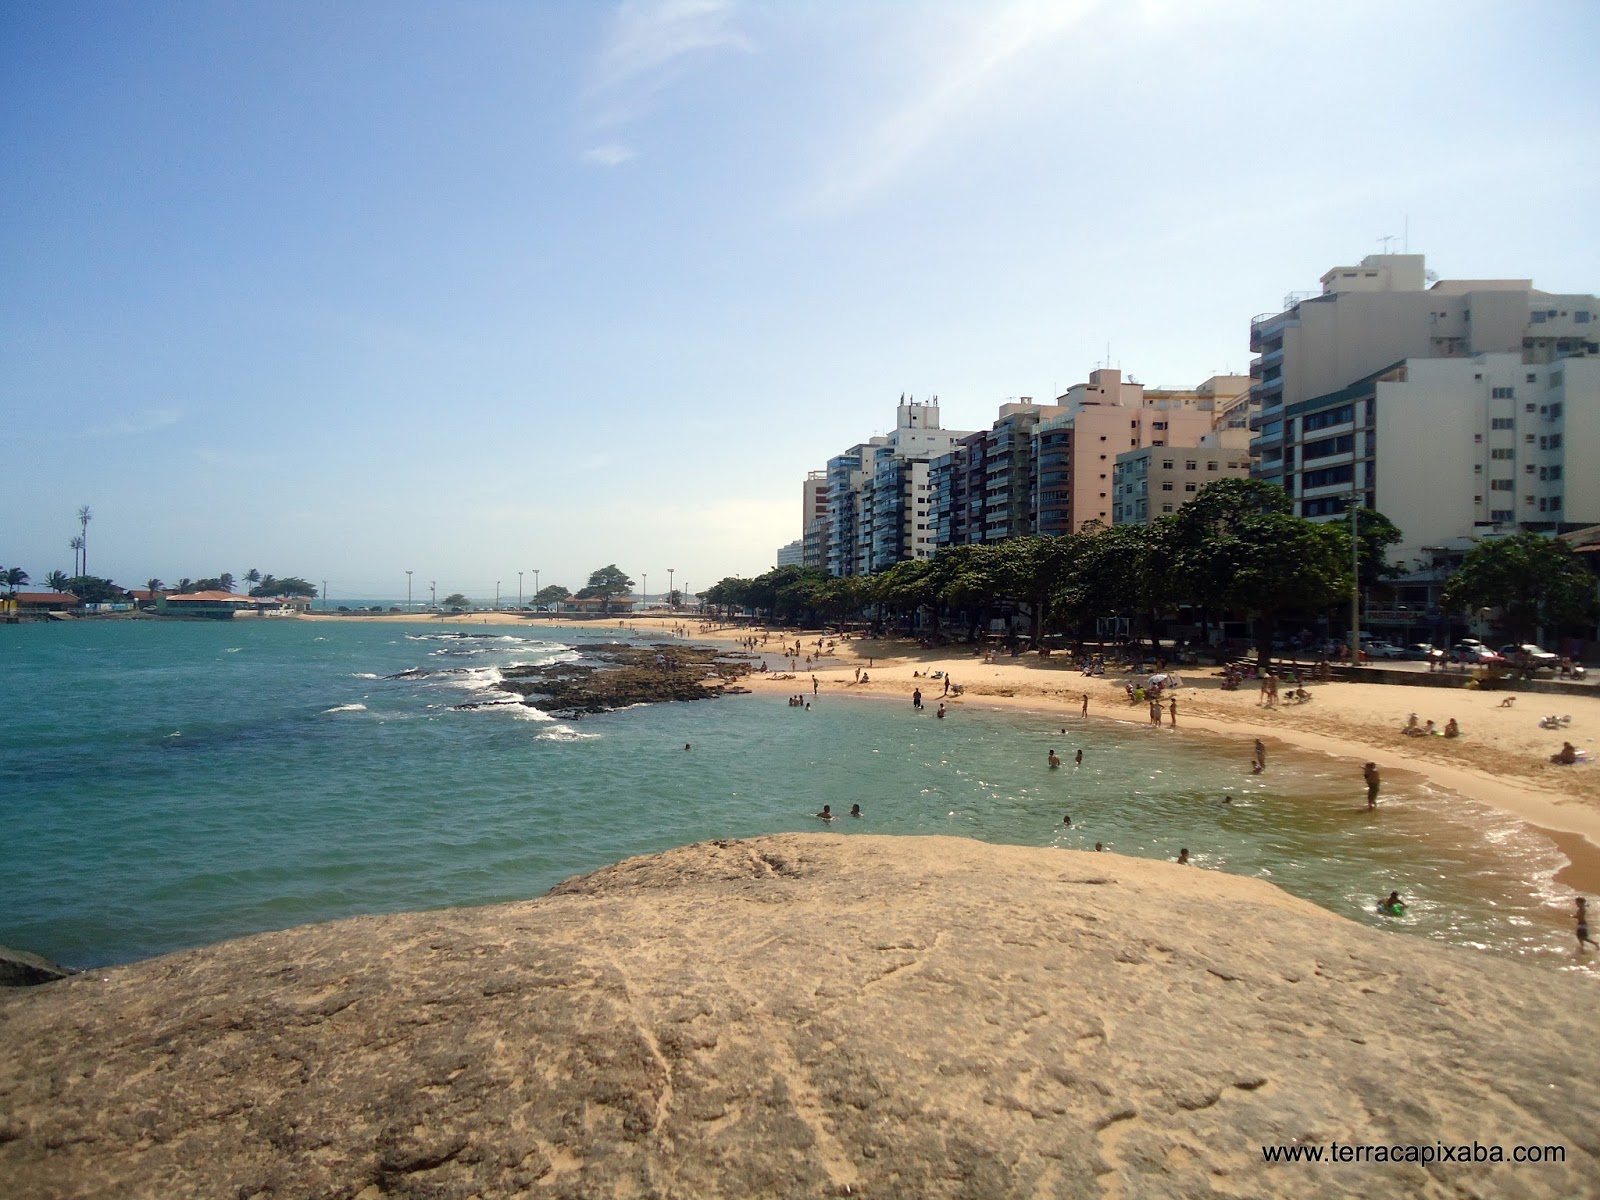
(1457, 409)
(1156, 481)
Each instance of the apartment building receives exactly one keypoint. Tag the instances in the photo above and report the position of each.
(878, 497)
(1156, 481)
(1075, 452)
(1456, 409)
(984, 489)
(792, 554)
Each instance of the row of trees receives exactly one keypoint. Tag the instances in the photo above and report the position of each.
(1236, 549)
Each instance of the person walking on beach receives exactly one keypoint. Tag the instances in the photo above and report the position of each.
(1370, 773)
(814, 685)
(947, 685)
(1581, 915)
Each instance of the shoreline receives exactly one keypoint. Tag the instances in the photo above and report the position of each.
(1502, 761)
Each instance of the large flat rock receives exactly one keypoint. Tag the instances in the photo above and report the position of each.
(815, 1015)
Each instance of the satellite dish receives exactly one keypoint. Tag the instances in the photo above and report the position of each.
(1431, 275)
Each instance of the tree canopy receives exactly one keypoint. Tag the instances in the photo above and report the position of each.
(1535, 581)
(604, 583)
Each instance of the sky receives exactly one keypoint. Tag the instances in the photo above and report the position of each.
(472, 289)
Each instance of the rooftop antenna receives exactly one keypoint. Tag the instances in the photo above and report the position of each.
(1386, 239)
(1405, 234)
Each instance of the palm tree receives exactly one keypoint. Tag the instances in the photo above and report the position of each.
(77, 545)
(154, 586)
(185, 585)
(14, 578)
(57, 581)
(252, 577)
(225, 581)
(84, 517)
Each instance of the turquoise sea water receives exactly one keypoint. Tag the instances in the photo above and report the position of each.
(171, 784)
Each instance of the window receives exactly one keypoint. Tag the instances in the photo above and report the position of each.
(1555, 441)
(1530, 379)
(1555, 412)
(1528, 500)
(1537, 318)
(1477, 438)
(1159, 442)
(1530, 408)
(1502, 393)
(1501, 514)
(1211, 466)
(1529, 469)
(1477, 468)
(1329, 475)
(1555, 473)
(1541, 504)
(1323, 447)
(1528, 438)
(1166, 464)
(1166, 508)
(1189, 465)
(1158, 425)
(1502, 423)
(1327, 417)
(1502, 454)
(1501, 485)
(1189, 487)
(1167, 487)
(1555, 503)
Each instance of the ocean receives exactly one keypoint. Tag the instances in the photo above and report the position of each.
(167, 785)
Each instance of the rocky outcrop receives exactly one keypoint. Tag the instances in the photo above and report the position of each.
(819, 1015)
(18, 968)
(616, 675)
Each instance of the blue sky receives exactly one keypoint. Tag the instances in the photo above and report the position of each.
(474, 288)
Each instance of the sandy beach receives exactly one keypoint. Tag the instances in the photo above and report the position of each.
(1502, 758)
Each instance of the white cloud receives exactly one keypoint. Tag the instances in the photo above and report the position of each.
(134, 424)
(982, 57)
(609, 155)
(650, 44)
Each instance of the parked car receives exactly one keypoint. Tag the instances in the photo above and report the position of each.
(1382, 650)
(1423, 652)
(1472, 650)
(1538, 658)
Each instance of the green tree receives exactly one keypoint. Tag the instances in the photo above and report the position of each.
(185, 585)
(57, 581)
(153, 585)
(13, 578)
(1279, 564)
(604, 583)
(91, 589)
(225, 581)
(552, 593)
(252, 577)
(77, 545)
(456, 600)
(1536, 582)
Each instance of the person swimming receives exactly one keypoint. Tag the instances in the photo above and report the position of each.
(1067, 820)
(855, 810)
(827, 812)
(1393, 906)
(1098, 846)
(1078, 758)
(1183, 856)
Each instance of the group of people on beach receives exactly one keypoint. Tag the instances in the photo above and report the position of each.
(1413, 729)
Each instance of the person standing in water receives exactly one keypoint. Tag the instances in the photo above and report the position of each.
(916, 698)
(1260, 759)
(1581, 915)
(1370, 773)
(827, 812)
(1085, 712)
(1053, 759)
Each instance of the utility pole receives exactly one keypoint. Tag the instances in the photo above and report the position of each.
(645, 594)
(433, 594)
(1355, 566)
(519, 589)
(535, 571)
(497, 595)
(324, 595)
(672, 602)
(408, 591)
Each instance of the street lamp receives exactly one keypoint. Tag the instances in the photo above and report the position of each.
(497, 595)
(519, 589)
(535, 571)
(645, 594)
(672, 600)
(433, 593)
(408, 591)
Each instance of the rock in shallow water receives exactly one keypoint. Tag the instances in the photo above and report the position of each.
(805, 1015)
